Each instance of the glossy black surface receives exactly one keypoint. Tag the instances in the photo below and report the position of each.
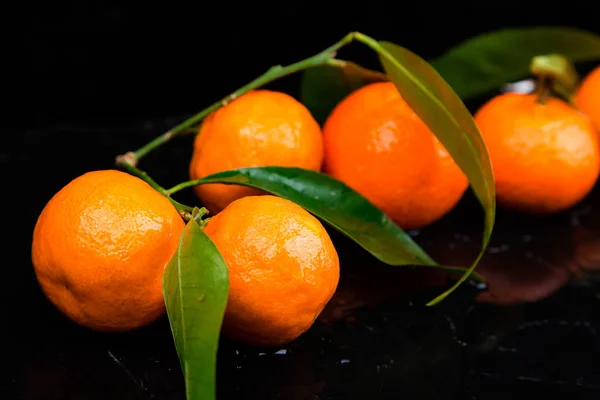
(374, 340)
(101, 80)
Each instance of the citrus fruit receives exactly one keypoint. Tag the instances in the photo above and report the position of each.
(283, 268)
(377, 145)
(260, 128)
(588, 96)
(545, 157)
(100, 246)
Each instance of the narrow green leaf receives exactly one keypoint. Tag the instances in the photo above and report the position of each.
(448, 118)
(339, 206)
(325, 86)
(195, 289)
(486, 62)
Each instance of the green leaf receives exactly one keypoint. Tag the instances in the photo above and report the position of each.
(195, 289)
(484, 63)
(325, 86)
(434, 101)
(339, 206)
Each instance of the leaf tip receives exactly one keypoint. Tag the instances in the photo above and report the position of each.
(439, 298)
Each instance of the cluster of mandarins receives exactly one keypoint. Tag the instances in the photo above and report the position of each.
(101, 243)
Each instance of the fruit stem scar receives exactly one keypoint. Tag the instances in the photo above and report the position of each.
(127, 158)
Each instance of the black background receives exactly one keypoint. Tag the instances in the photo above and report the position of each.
(101, 59)
(86, 81)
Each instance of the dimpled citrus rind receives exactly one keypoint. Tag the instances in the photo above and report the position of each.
(377, 145)
(283, 268)
(545, 157)
(99, 250)
(261, 128)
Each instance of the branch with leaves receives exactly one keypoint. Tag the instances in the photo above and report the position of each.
(433, 90)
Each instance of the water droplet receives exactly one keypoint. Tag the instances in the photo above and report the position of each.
(524, 86)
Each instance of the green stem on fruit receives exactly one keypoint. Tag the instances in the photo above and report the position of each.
(129, 161)
(184, 185)
(326, 57)
(125, 162)
(542, 91)
(566, 94)
(555, 74)
(198, 213)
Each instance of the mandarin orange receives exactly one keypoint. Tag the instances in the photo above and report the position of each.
(283, 268)
(260, 128)
(100, 246)
(545, 157)
(377, 145)
(587, 97)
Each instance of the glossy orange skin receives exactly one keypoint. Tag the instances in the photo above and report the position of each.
(283, 268)
(261, 128)
(377, 145)
(545, 157)
(99, 250)
(588, 96)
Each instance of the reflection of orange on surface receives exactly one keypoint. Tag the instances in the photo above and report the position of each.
(261, 128)
(360, 286)
(588, 96)
(379, 147)
(528, 281)
(283, 268)
(587, 249)
(545, 157)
